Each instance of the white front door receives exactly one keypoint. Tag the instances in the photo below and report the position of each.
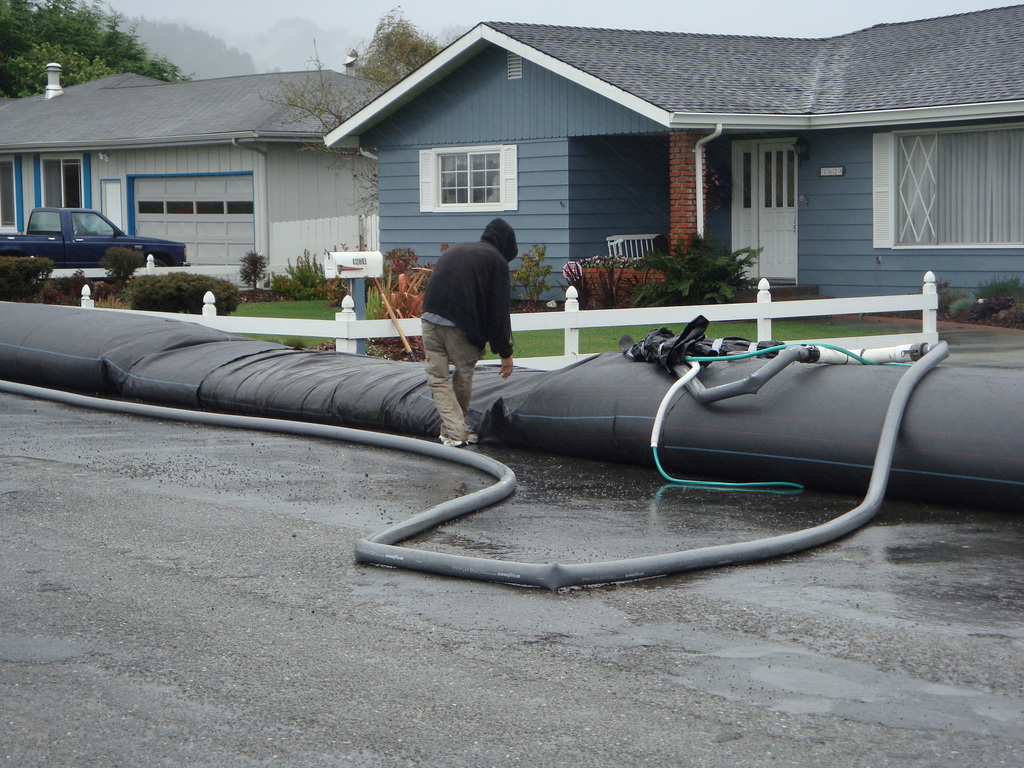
(111, 189)
(764, 205)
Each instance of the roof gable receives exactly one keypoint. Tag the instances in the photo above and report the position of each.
(950, 64)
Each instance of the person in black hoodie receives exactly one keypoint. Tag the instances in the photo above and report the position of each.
(466, 306)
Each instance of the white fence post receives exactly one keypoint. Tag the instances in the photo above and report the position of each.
(342, 340)
(150, 264)
(87, 302)
(764, 306)
(209, 304)
(930, 316)
(572, 331)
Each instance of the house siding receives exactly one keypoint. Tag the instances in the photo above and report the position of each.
(310, 184)
(836, 250)
(478, 104)
(573, 192)
(542, 216)
(619, 186)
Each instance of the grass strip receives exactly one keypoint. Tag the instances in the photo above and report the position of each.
(551, 342)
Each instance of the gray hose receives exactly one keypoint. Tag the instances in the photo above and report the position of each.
(381, 548)
(752, 383)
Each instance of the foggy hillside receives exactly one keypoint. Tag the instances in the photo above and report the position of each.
(290, 44)
(196, 53)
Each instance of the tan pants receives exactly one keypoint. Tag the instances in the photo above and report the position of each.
(443, 345)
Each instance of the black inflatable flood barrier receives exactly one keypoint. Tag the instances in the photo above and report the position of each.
(961, 443)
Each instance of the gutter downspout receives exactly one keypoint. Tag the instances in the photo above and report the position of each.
(698, 152)
(250, 147)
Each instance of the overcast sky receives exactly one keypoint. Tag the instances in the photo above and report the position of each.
(793, 18)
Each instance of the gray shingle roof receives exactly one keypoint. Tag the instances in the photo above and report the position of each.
(968, 58)
(135, 109)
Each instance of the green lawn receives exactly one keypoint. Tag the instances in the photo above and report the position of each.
(548, 343)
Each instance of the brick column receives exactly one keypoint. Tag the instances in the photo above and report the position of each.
(682, 184)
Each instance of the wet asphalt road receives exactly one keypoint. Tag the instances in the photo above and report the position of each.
(183, 595)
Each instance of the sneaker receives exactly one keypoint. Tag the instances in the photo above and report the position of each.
(473, 438)
(452, 443)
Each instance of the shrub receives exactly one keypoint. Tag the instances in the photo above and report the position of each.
(603, 281)
(181, 293)
(950, 297)
(961, 304)
(699, 271)
(1012, 287)
(22, 277)
(398, 261)
(302, 281)
(333, 291)
(254, 269)
(121, 263)
(404, 292)
(533, 276)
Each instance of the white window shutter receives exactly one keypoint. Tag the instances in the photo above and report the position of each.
(510, 177)
(427, 185)
(881, 189)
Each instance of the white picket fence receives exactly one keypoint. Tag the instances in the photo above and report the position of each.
(347, 330)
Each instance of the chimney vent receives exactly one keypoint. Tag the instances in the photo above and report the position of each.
(53, 80)
(350, 63)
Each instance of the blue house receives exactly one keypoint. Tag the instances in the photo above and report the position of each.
(857, 162)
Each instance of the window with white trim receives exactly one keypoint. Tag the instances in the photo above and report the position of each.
(7, 207)
(950, 188)
(62, 183)
(469, 178)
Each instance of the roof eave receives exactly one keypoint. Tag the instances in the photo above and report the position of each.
(160, 141)
(863, 119)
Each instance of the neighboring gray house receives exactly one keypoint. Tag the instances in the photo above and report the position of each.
(857, 162)
(212, 163)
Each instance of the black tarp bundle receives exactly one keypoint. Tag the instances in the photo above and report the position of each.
(962, 441)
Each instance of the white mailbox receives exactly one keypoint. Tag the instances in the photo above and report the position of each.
(352, 264)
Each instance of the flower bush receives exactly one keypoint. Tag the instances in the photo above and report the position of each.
(603, 281)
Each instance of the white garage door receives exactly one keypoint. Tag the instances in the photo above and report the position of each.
(212, 215)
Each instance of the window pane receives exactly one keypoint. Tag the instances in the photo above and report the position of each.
(470, 178)
(53, 194)
(180, 207)
(89, 224)
(239, 206)
(62, 183)
(454, 179)
(212, 207)
(44, 222)
(980, 185)
(790, 178)
(151, 206)
(72, 172)
(7, 193)
(916, 190)
(486, 178)
(748, 162)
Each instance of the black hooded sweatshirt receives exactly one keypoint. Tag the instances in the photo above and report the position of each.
(470, 286)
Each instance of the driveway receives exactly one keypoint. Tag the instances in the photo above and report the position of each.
(186, 595)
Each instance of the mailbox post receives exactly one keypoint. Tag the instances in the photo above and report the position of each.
(355, 266)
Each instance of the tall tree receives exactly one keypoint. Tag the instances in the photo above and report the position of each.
(398, 47)
(82, 37)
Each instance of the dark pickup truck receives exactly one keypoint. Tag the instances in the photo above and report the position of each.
(78, 237)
